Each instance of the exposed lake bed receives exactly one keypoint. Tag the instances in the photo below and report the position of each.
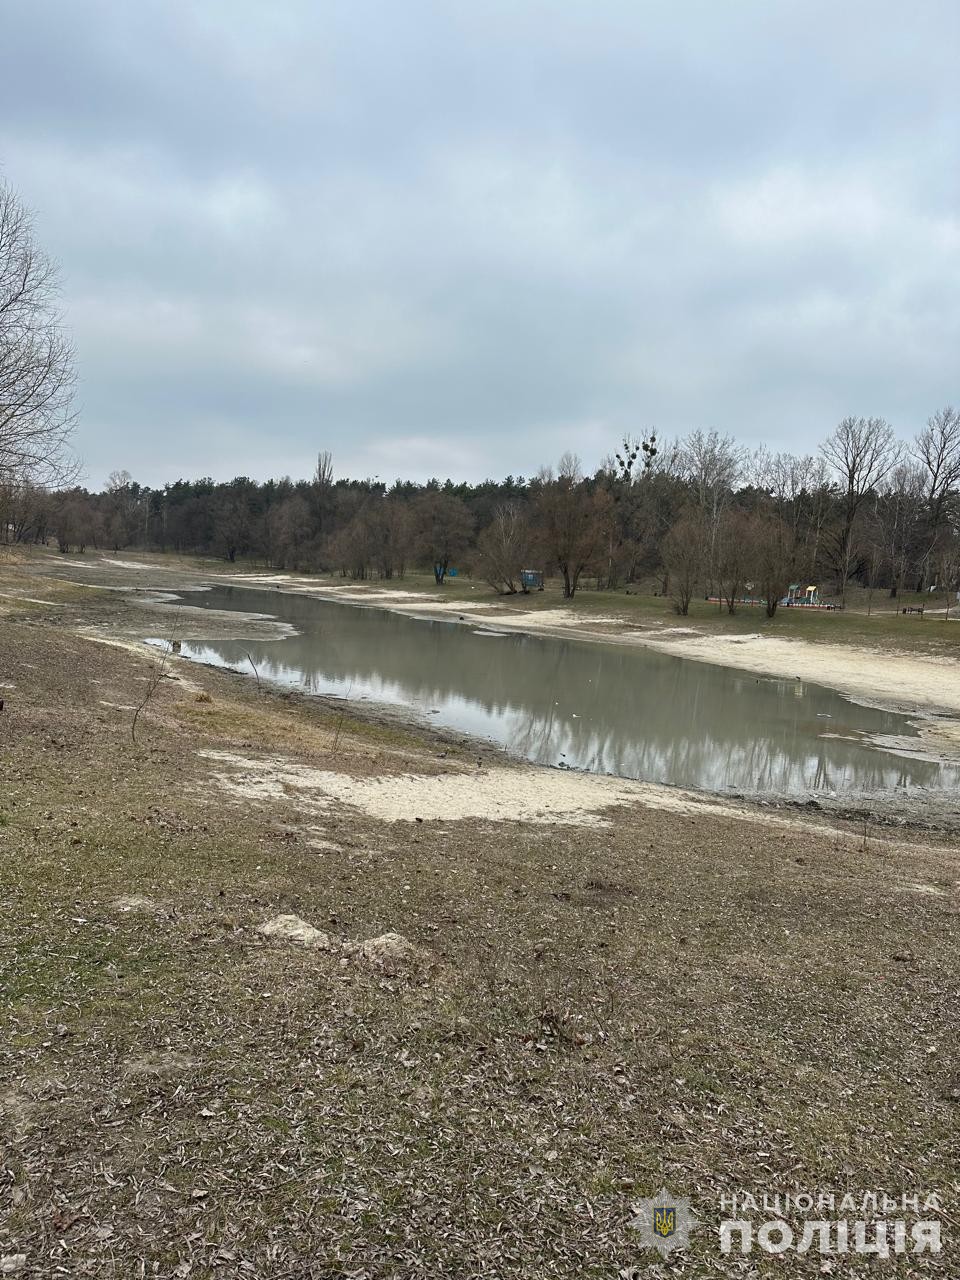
(578, 704)
(910, 752)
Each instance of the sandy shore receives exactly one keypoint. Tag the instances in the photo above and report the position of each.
(923, 686)
(898, 682)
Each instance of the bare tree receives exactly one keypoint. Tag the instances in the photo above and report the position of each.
(392, 531)
(712, 465)
(732, 556)
(286, 532)
(574, 521)
(157, 674)
(234, 517)
(322, 495)
(948, 572)
(771, 557)
(861, 451)
(36, 359)
(323, 475)
(76, 521)
(444, 528)
(25, 511)
(353, 548)
(627, 477)
(937, 450)
(898, 522)
(685, 551)
(503, 547)
(875, 550)
(811, 500)
(630, 451)
(122, 509)
(789, 481)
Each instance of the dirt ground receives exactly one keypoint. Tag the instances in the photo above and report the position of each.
(595, 992)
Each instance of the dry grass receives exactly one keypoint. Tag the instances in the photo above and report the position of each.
(280, 722)
(683, 1000)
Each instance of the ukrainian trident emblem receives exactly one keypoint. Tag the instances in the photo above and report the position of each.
(664, 1222)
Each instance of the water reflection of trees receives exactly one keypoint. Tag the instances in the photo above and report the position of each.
(610, 709)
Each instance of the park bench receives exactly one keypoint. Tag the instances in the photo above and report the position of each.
(913, 608)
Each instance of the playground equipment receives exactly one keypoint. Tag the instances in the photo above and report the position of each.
(802, 597)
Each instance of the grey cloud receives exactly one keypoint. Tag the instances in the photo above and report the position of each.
(444, 238)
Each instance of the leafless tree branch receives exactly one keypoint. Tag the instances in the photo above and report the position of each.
(36, 358)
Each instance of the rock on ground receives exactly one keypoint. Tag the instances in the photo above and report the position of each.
(290, 928)
(392, 952)
(136, 902)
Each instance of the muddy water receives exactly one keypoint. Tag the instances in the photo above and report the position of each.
(584, 705)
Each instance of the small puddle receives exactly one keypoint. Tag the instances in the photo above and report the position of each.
(610, 709)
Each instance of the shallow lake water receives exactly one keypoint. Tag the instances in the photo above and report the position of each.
(580, 704)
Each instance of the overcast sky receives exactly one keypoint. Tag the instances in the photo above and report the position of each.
(458, 237)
